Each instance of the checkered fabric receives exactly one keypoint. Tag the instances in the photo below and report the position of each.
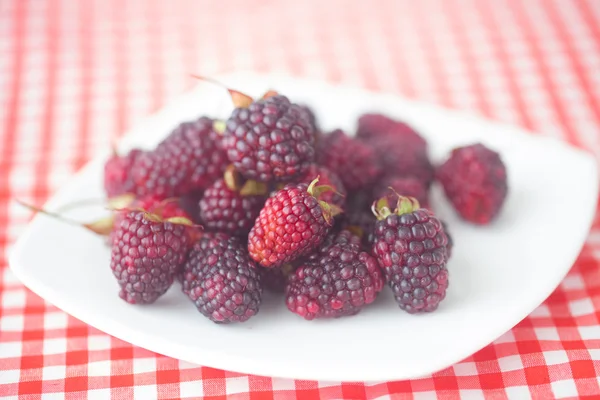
(74, 75)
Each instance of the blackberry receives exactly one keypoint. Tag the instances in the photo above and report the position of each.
(221, 280)
(146, 253)
(403, 158)
(352, 160)
(270, 140)
(475, 181)
(189, 160)
(338, 280)
(229, 207)
(411, 248)
(117, 173)
(293, 222)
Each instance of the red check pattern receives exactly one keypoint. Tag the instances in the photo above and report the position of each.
(76, 74)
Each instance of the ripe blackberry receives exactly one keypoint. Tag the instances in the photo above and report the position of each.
(338, 280)
(352, 160)
(408, 186)
(275, 279)
(146, 253)
(293, 222)
(402, 158)
(230, 207)
(117, 173)
(221, 280)
(411, 248)
(329, 178)
(190, 159)
(270, 140)
(474, 180)
(378, 127)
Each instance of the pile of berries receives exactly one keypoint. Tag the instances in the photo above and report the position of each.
(268, 201)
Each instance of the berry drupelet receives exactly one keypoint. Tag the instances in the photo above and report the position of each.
(475, 181)
(271, 139)
(221, 280)
(338, 280)
(293, 222)
(189, 160)
(411, 248)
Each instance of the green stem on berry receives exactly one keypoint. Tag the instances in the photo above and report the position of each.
(219, 126)
(329, 210)
(254, 188)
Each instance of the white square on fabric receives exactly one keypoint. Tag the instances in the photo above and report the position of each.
(510, 363)
(518, 392)
(191, 389)
(465, 369)
(555, 357)
(237, 385)
(564, 389)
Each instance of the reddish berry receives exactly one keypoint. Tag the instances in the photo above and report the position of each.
(329, 178)
(189, 160)
(117, 173)
(377, 127)
(229, 209)
(293, 222)
(147, 252)
(474, 180)
(271, 140)
(411, 248)
(450, 244)
(352, 160)
(403, 158)
(405, 186)
(221, 280)
(337, 280)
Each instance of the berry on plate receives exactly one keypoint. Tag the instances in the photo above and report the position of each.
(474, 180)
(189, 160)
(117, 173)
(337, 280)
(353, 161)
(275, 279)
(147, 251)
(271, 139)
(230, 205)
(411, 247)
(221, 280)
(293, 222)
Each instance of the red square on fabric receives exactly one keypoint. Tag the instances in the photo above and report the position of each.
(491, 381)
(76, 384)
(32, 362)
(77, 357)
(583, 369)
(121, 380)
(32, 387)
(33, 335)
(399, 387)
(445, 382)
(167, 376)
(537, 375)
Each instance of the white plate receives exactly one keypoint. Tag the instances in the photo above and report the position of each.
(498, 273)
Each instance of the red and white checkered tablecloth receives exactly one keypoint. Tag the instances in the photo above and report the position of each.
(74, 75)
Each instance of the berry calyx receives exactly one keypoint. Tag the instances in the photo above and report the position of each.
(405, 205)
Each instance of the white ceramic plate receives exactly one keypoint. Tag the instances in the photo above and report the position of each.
(498, 273)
